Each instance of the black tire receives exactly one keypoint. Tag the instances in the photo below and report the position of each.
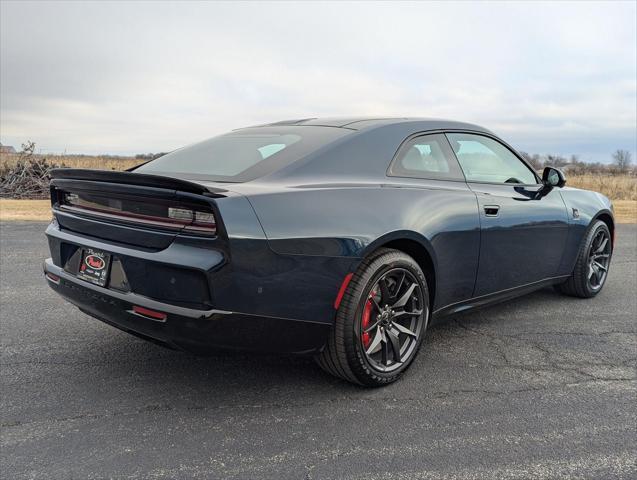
(344, 355)
(579, 283)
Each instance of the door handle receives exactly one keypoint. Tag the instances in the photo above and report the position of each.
(491, 210)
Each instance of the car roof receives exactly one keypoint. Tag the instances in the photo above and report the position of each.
(362, 123)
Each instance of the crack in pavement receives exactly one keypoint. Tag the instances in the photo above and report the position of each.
(155, 408)
(551, 357)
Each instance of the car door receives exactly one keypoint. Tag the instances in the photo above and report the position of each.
(523, 227)
(437, 202)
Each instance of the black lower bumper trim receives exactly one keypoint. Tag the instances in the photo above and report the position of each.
(196, 331)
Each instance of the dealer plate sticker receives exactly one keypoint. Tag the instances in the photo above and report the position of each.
(94, 266)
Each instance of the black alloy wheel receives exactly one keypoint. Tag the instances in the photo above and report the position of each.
(392, 319)
(381, 321)
(599, 259)
(592, 264)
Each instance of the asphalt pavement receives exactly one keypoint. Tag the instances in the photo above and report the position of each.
(540, 387)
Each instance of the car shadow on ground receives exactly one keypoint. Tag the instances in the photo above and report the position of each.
(223, 376)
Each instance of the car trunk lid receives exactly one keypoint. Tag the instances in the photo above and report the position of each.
(147, 211)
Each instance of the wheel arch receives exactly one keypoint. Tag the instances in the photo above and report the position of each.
(607, 217)
(417, 247)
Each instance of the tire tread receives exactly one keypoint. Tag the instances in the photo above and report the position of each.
(576, 285)
(335, 358)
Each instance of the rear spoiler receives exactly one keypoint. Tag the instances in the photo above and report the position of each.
(131, 178)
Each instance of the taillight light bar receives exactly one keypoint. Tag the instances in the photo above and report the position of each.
(194, 220)
(159, 215)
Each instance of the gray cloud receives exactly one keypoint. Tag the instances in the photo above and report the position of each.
(132, 77)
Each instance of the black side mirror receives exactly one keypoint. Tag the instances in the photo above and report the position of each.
(553, 177)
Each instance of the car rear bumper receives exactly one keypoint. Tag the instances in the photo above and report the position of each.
(184, 328)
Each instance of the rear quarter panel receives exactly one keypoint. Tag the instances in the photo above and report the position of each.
(351, 221)
(256, 280)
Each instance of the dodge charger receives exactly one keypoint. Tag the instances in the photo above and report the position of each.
(344, 239)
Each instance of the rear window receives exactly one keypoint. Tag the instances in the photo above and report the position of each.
(244, 154)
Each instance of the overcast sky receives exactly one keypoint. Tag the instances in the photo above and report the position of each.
(114, 77)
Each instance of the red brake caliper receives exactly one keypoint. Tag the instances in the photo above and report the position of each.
(367, 313)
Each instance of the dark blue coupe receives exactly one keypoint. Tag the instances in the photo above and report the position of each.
(340, 238)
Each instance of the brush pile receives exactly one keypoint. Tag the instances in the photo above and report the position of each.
(28, 177)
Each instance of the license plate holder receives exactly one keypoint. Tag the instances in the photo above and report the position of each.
(94, 266)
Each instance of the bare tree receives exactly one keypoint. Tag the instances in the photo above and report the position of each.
(555, 161)
(28, 148)
(534, 160)
(622, 160)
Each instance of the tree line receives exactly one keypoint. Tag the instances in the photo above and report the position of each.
(622, 163)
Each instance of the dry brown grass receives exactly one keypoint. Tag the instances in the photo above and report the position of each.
(25, 210)
(103, 162)
(621, 189)
(625, 211)
(37, 210)
(615, 187)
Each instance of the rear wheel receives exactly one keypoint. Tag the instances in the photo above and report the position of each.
(381, 321)
(593, 262)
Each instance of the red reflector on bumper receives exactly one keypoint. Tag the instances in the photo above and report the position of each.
(52, 277)
(341, 291)
(146, 312)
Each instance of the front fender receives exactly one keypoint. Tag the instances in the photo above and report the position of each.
(584, 207)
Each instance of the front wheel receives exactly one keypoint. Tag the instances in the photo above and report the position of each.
(381, 321)
(593, 262)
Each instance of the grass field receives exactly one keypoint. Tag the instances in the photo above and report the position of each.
(621, 189)
(615, 187)
(32, 210)
(25, 210)
(104, 162)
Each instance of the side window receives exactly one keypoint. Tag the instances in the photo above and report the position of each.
(485, 160)
(269, 150)
(427, 156)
